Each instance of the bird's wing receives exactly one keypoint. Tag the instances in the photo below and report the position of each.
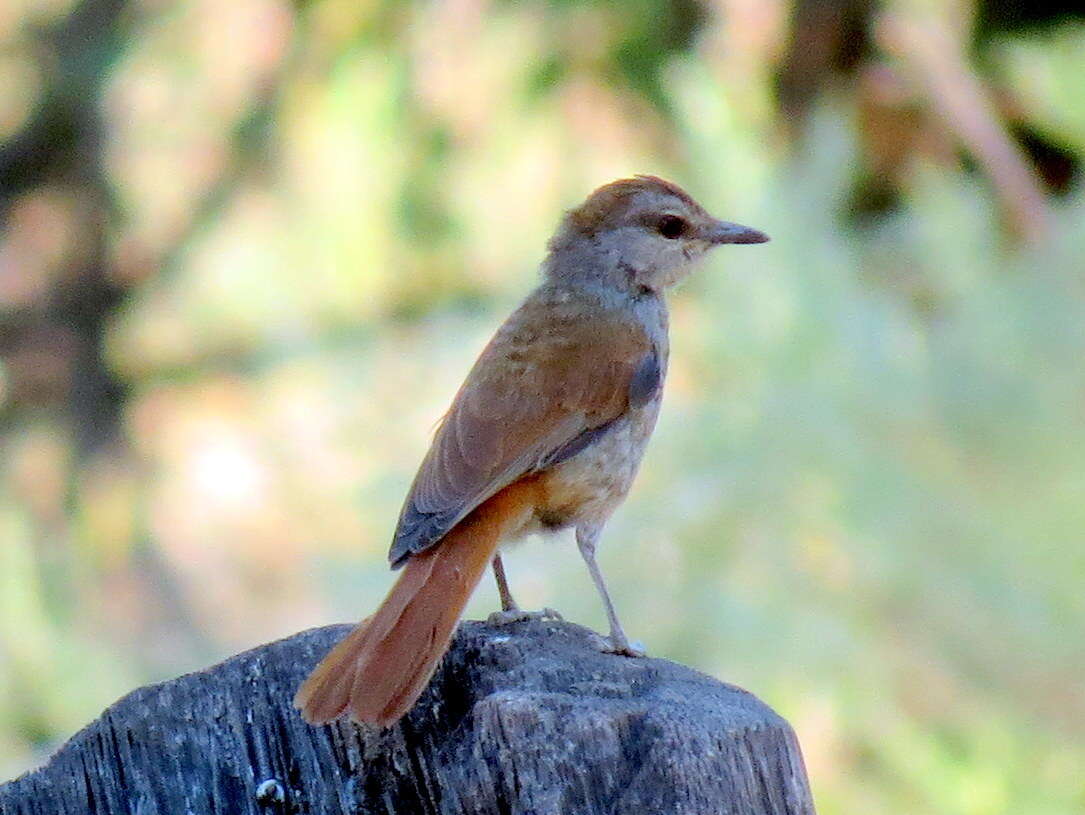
(544, 388)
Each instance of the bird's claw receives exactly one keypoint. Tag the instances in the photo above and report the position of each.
(620, 646)
(518, 615)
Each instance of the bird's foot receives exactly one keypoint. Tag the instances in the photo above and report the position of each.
(518, 615)
(620, 645)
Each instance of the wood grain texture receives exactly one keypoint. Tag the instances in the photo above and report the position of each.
(524, 718)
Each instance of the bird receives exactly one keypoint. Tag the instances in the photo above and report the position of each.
(546, 433)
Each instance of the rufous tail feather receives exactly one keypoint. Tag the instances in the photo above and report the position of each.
(381, 667)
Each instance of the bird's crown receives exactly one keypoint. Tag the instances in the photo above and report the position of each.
(607, 203)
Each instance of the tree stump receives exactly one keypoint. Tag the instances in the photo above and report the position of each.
(522, 718)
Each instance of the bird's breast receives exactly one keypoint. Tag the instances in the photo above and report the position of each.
(588, 487)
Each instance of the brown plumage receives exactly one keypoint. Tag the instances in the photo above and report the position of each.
(381, 667)
(607, 204)
(546, 432)
(547, 377)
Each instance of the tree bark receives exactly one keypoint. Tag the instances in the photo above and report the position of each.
(522, 718)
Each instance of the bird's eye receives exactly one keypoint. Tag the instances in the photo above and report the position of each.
(671, 226)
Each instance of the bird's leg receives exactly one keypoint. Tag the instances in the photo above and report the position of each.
(510, 612)
(507, 601)
(617, 642)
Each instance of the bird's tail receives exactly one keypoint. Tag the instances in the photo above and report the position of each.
(381, 667)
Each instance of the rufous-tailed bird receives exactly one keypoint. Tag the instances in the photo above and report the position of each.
(546, 433)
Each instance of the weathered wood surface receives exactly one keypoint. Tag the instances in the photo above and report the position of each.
(522, 718)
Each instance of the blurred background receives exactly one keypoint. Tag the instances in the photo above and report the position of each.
(249, 249)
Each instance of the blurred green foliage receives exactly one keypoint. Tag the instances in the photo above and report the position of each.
(866, 496)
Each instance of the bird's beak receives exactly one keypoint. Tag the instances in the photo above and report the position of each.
(727, 232)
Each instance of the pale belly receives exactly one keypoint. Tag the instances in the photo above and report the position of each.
(587, 488)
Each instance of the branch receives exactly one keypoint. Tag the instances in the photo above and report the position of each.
(968, 112)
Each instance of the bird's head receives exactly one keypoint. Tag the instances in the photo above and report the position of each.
(643, 231)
